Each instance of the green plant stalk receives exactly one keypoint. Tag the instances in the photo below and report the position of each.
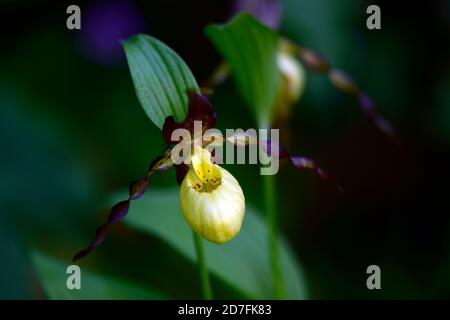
(202, 269)
(272, 223)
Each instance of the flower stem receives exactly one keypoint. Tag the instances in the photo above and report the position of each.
(272, 222)
(202, 269)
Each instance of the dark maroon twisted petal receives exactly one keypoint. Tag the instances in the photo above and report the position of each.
(137, 188)
(118, 211)
(271, 148)
(300, 162)
(344, 83)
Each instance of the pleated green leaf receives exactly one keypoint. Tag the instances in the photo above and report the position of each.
(160, 78)
(52, 277)
(242, 263)
(251, 50)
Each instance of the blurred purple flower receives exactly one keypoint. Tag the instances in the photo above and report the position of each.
(267, 11)
(104, 24)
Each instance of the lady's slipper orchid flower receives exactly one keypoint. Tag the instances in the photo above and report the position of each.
(211, 199)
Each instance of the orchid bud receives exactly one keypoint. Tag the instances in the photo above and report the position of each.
(211, 199)
(292, 81)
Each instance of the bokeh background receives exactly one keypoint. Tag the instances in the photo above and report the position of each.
(72, 133)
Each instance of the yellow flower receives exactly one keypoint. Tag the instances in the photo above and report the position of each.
(212, 200)
(293, 80)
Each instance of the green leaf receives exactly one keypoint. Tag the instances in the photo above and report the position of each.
(242, 263)
(52, 276)
(160, 78)
(251, 50)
